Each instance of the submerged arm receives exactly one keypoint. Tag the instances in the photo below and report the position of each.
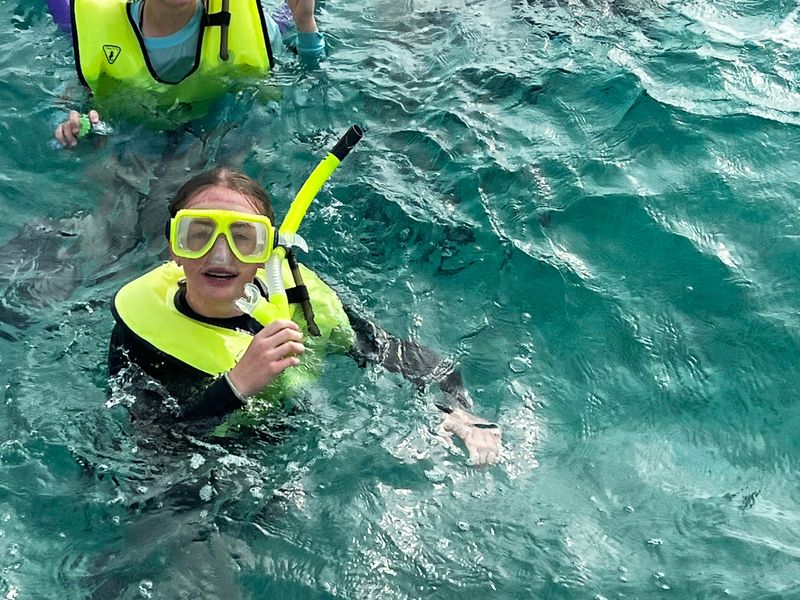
(417, 364)
(158, 380)
(422, 367)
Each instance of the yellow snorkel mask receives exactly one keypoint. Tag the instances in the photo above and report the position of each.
(193, 232)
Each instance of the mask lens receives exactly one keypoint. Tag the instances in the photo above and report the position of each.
(250, 238)
(194, 233)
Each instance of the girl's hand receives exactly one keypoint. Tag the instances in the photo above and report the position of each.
(67, 132)
(273, 350)
(482, 439)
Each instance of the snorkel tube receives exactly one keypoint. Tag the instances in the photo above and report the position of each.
(278, 305)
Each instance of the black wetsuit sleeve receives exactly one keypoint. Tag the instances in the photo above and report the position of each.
(188, 394)
(418, 364)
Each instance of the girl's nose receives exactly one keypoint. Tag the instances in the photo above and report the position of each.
(220, 252)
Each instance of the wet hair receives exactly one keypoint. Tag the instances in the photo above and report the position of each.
(228, 178)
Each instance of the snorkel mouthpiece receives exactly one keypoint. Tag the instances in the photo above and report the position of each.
(248, 302)
(255, 305)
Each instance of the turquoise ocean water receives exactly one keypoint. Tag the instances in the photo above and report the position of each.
(591, 206)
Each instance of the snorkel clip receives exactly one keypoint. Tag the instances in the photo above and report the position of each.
(292, 240)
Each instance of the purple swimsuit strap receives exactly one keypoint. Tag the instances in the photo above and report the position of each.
(283, 17)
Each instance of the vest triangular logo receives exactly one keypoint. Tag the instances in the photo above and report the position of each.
(111, 52)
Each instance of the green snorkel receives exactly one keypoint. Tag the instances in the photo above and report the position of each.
(253, 303)
(321, 174)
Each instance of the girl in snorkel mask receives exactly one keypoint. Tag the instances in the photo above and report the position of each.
(180, 323)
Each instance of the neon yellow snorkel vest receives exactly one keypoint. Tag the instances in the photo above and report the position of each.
(111, 61)
(147, 307)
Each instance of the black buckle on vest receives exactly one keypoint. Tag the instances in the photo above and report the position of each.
(217, 19)
(297, 294)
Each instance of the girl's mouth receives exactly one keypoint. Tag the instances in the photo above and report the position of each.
(220, 274)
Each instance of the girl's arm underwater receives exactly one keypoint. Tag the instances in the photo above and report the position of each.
(422, 367)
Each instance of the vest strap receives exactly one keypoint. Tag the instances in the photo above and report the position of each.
(297, 294)
(217, 19)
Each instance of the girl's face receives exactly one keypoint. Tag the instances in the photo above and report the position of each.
(216, 279)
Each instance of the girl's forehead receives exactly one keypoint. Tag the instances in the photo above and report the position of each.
(222, 198)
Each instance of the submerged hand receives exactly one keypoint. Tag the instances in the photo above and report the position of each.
(273, 350)
(303, 13)
(67, 133)
(482, 439)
